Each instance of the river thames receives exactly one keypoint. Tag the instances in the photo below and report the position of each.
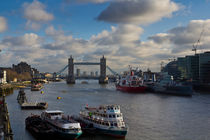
(149, 116)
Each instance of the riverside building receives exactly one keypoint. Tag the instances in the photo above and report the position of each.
(192, 67)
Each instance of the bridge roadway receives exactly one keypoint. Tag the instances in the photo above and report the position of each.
(86, 63)
(87, 77)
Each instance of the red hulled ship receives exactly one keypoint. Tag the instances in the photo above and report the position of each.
(130, 83)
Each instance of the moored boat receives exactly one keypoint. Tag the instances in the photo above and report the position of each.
(22, 100)
(39, 105)
(168, 86)
(105, 119)
(39, 128)
(132, 89)
(64, 127)
(36, 87)
(130, 83)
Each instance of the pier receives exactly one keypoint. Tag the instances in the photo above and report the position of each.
(5, 127)
(6, 89)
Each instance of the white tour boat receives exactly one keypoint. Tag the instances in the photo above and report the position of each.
(105, 119)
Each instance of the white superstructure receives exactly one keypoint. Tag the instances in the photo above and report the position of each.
(107, 117)
(60, 122)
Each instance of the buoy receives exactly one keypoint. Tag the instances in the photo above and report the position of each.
(58, 98)
(42, 92)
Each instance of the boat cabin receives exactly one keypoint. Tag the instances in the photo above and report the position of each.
(57, 114)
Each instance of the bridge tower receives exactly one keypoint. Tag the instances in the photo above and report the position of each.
(71, 78)
(102, 78)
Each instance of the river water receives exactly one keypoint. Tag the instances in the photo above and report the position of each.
(149, 116)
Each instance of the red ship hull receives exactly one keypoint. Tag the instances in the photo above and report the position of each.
(139, 89)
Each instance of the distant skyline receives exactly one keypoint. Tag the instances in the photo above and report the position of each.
(140, 33)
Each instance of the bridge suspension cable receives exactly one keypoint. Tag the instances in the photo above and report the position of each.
(62, 70)
(112, 71)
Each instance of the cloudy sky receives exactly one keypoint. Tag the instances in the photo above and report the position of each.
(142, 33)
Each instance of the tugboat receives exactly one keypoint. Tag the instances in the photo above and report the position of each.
(105, 119)
(63, 126)
(131, 83)
(168, 86)
(39, 128)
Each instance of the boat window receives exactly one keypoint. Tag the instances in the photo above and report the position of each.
(107, 124)
(115, 124)
(111, 124)
(113, 116)
(111, 108)
(118, 116)
(108, 108)
(110, 116)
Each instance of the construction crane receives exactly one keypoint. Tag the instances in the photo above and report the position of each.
(195, 45)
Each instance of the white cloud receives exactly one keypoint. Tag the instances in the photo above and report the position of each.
(50, 30)
(182, 38)
(138, 11)
(121, 46)
(27, 40)
(35, 11)
(3, 24)
(123, 34)
(36, 14)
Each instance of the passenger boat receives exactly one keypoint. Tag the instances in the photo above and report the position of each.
(168, 86)
(39, 128)
(64, 127)
(131, 83)
(105, 119)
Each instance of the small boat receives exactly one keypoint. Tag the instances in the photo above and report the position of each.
(168, 86)
(131, 83)
(105, 119)
(36, 87)
(39, 105)
(63, 126)
(39, 128)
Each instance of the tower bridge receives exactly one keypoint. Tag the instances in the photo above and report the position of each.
(71, 77)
